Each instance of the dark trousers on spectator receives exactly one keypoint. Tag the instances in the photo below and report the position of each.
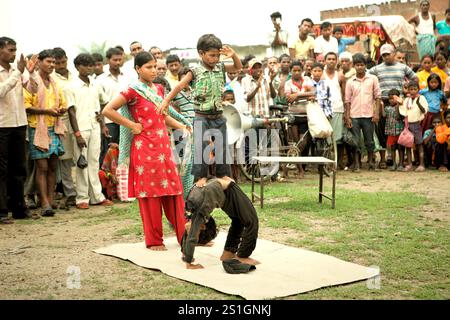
(367, 128)
(12, 171)
(441, 155)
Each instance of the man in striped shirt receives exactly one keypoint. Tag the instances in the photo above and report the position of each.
(391, 75)
(259, 92)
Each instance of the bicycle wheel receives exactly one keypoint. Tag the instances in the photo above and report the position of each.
(263, 145)
(324, 148)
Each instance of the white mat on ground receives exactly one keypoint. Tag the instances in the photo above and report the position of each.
(283, 270)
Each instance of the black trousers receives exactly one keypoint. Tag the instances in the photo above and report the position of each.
(441, 156)
(12, 171)
(243, 231)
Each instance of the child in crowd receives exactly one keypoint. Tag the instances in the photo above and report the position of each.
(394, 126)
(440, 59)
(208, 81)
(280, 79)
(107, 173)
(429, 141)
(414, 108)
(185, 147)
(228, 98)
(153, 176)
(322, 90)
(442, 152)
(307, 67)
(426, 63)
(435, 98)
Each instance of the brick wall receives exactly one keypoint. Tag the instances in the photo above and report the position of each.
(407, 9)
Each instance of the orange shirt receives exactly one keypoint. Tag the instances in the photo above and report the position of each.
(442, 134)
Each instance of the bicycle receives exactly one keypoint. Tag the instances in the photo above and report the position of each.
(285, 146)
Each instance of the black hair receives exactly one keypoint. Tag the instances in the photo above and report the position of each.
(338, 29)
(120, 48)
(142, 58)
(370, 63)
(442, 53)
(427, 56)
(275, 15)
(59, 53)
(209, 233)
(47, 53)
(436, 77)
(296, 63)
(330, 53)
(228, 91)
(446, 113)
(325, 25)
(284, 55)
(84, 59)
(162, 81)
(134, 43)
(97, 57)
(317, 65)
(4, 41)
(436, 117)
(172, 58)
(447, 11)
(394, 92)
(413, 84)
(307, 20)
(207, 42)
(359, 58)
(113, 52)
(248, 58)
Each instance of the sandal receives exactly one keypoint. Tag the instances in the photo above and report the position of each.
(393, 168)
(443, 169)
(382, 165)
(47, 212)
(420, 169)
(408, 168)
(400, 168)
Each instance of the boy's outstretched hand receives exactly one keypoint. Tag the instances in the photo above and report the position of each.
(162, 107)
(227, 51)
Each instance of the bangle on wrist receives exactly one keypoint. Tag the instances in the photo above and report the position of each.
(77, 133)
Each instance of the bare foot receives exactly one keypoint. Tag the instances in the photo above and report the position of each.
(248, 261)
(201, 182)
(209, 244)
(194, 266)
(226, 255)
(158, 248)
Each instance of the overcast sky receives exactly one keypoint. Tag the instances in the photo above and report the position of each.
(41, 24)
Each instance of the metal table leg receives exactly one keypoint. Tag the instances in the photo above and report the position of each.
(262, 188)
(320, 182)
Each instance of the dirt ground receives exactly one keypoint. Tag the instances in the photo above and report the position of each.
(35, 257)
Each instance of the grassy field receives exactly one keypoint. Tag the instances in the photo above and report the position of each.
(382, 228)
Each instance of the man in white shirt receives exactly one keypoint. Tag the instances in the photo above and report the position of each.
(13, 124)
(325, 42)
(63, 77)
(112, 81)
(86, 99)
(128, 67)
(278, 38)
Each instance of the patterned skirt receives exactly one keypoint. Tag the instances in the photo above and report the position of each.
(55, 147)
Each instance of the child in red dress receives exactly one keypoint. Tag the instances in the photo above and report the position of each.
(153, 177)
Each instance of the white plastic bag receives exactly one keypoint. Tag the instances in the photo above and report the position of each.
(319, 126)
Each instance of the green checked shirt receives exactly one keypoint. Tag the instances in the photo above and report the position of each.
(207, 87)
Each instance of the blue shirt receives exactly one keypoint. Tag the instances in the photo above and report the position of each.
(443, 28)
(344, 42)
(434, 99)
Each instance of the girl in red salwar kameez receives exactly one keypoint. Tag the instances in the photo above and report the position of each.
(153, 176)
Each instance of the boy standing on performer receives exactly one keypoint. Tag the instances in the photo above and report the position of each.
(207, 81)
